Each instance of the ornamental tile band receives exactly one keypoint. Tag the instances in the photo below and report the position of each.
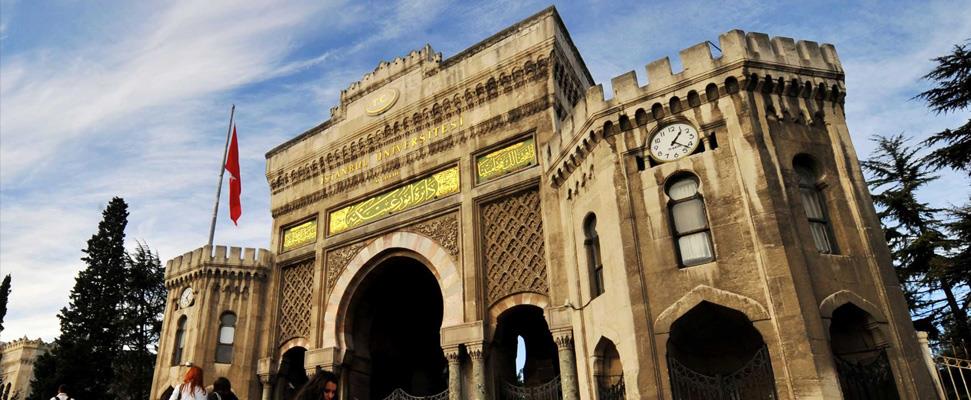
(505, 160)
(299, 235)
(438, 185)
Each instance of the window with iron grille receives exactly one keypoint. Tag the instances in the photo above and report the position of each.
(689, 221)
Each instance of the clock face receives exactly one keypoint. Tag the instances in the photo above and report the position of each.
(673, 142)
(185, 300)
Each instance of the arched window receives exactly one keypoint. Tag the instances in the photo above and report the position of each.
(591, 242)
(608, 371)
(227, 335)
(815, 207)
(179, 341)
(689, 221)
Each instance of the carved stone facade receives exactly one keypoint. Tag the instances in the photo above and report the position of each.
(588, 247)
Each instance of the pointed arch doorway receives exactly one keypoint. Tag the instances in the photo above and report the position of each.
(393, 322)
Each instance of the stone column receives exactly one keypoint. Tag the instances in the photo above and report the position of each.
(568, 364)
(929, 361)
(476, 353)
(454, 373)
(267, 382)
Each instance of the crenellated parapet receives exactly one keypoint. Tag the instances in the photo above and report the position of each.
(388, 71)
(237, 262)
(23, 342)
(754, 62)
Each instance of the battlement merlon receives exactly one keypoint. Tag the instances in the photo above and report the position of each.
(736, 46)
(24, 342)
(238, 258)
(388, 71)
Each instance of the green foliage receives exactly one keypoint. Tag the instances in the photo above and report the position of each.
(4, 296)
(142, 325)
(951, 93)
(931, 247)
(917, 239)
(109, 330)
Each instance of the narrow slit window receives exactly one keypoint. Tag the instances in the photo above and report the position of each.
(592, 244)
(179, 344)
(814, 206)
(227, 336)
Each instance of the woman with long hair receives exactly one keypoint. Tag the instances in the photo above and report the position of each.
(323, 386)
(191, 387)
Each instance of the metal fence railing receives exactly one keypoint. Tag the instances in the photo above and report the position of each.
(950, 368)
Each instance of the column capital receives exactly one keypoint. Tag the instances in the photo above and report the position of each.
(563, 338)
(267, 378)
(476, 350)
(451, 353)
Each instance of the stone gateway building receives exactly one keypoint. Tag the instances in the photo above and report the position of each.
(708, 235)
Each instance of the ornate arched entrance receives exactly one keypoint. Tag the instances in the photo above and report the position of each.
(392, 331)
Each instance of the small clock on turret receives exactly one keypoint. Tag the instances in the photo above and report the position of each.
(186, 298)
(673, 142)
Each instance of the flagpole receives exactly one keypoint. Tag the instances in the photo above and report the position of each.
(222, 170)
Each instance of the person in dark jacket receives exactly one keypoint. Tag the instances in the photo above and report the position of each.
(222, 390)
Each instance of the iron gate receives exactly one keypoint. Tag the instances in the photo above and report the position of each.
(870, 379)
(954, 376)
(753, 381)
(548, 391)
(400, 394)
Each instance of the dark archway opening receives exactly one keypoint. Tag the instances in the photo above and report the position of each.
(715, 352)
(860, 355)
(541, 365)
(395, 321)
(291, 376)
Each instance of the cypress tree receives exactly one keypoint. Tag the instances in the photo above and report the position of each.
(91, 329)
(916, 236)
(4, 296)
(141, 320)
(951, 93)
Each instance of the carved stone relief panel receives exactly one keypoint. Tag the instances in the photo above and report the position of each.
(337, 260)
(513, 248)
(443, 230)
(297, 289)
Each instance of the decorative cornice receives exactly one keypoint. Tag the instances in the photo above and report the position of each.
(507, 79)
(488, 126)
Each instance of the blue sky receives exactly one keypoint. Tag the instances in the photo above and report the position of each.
(101, 99)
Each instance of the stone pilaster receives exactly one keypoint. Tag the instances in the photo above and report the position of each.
(267, 382)
(477, 354)
(568, 364)
(454, 372)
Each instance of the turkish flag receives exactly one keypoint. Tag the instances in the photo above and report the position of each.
(235, 186)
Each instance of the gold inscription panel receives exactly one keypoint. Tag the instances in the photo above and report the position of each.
(505, 160)
(436, 186)
(299, 235)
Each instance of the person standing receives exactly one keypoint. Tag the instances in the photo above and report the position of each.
(222, 390)
(191, 387)
(323, 386)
